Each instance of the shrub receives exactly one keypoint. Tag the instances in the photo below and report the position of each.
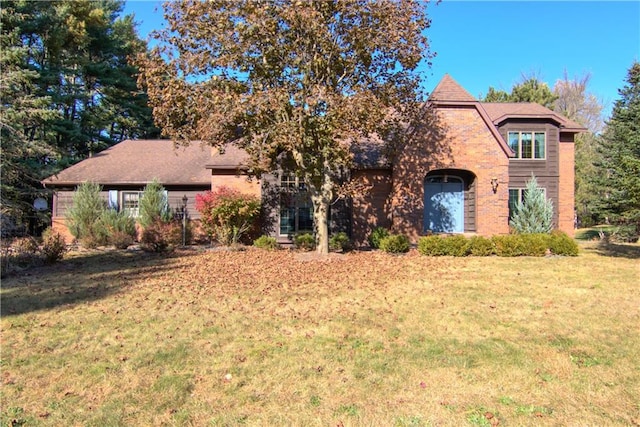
(430, 245)
(456, 245)
(395, 244)
(119, 227)
(53, 246)
(161, 236)
(480, 246)
(561, 244)
(266, 242)
(535, 213)
(304, 241)
(508, 245)
(377, 234)
(535, 244)
(154, 205)
(340, 242)
(84, 213)
(227, 214)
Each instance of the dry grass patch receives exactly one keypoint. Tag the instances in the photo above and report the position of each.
(270, 338)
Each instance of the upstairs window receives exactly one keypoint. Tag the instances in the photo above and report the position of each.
(528, 145)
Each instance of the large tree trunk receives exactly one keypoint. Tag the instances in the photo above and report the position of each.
(321, 199)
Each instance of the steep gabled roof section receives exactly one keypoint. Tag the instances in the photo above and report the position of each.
(502, 111)
(139, 162)
(449, 90)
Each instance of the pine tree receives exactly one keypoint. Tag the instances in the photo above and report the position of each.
(534, 214)
(620, 150)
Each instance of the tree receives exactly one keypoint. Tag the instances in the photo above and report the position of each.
(534, 214)
(154, 204)
(620, 155)
(83, 217)
(294, 83)
(530, 89)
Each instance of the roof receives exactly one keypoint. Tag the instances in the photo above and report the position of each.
(449, 90)
(228, 157)
(139, 162)
(501, 111)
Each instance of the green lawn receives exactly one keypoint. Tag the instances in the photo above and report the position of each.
(278, 338)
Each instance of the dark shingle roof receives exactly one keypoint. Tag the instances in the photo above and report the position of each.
(139, 162)
(449, 90)
(500, 111)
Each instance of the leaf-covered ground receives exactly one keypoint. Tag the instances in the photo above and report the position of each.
(283, 338)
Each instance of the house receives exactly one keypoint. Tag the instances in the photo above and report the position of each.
(463, 172)
(126, 168)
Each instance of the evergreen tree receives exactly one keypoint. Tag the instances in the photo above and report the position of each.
(620, 150)
(154, 205)
(530, 89)
(534, 214)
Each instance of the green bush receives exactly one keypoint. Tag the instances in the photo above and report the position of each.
(266, 242)
(154, 205)
(53, 246)
(377, 234)
(480, 246)
(395, 244)
(509, 245)
(119, 227)
(431, 245)
(535, 244)
(304, 241)
(340, 242)
(561, 244)
(535, 213)
(84, 214)
(161, 236)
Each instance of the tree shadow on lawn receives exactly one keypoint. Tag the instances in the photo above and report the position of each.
(81, 278)
(617, 250)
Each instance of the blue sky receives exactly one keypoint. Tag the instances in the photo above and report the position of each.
(482, 44)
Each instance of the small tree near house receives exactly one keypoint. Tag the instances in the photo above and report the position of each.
(534, 214)
(227, 214)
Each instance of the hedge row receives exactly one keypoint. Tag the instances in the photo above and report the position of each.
(557, 243)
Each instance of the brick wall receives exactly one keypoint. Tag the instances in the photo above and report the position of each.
(370, 208)
(566, 197)
(231, 179)
(457, 138)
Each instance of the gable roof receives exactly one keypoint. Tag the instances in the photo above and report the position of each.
(449, 90)
(139, 162)
(501, 111)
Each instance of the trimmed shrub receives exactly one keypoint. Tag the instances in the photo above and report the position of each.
(154, 205)
(340, 242)
(508, 245)
(304, 241)
(84, 214)
(535, 244)
(377, 234)
(395, 244)
(480, 246)
(431, 245)
(266, 242)
(53, 246)
(227, 214)
(561, 244)
(161, 236)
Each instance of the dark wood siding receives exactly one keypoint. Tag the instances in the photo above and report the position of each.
(546, 171)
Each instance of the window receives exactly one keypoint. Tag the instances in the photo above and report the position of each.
(131, 203)
(528, 145)
(295, 206)
(516, 195)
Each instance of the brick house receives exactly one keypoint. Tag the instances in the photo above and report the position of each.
(462, 173)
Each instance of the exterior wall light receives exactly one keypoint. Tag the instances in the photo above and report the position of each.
(494, 185)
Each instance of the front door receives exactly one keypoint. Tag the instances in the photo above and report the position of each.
(444, 205)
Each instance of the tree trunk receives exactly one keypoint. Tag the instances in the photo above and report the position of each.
(321, 199)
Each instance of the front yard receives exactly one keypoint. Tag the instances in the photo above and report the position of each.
(276, 338)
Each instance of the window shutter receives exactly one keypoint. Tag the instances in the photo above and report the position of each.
(113, 199)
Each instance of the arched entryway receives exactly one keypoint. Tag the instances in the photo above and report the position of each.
(446, 201)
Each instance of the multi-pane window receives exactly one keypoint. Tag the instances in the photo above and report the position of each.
(295, 206)
(528, 145)
(131, 203)
(516, 195)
